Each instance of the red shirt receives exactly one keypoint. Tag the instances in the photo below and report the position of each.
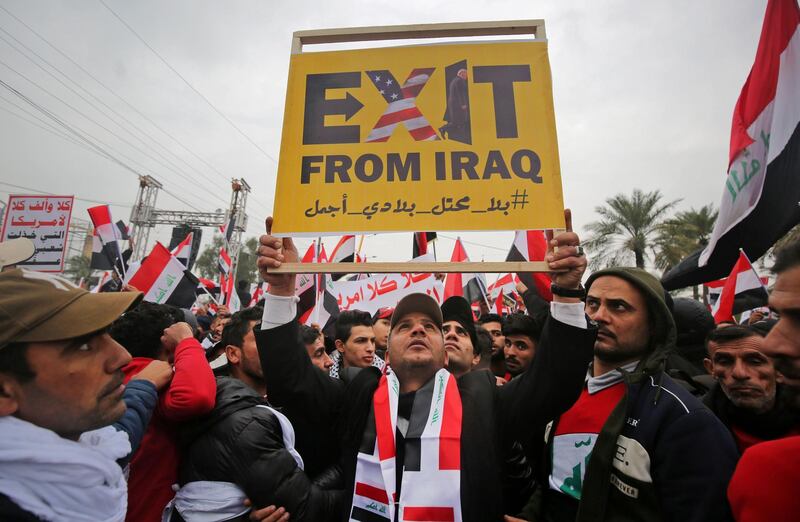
(576, 434)
(764, 487)
(154, 467)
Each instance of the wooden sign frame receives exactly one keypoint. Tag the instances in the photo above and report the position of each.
(536, 28)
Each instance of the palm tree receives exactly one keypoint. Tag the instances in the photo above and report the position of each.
(78, 267)
(626, 227)
(682, 235)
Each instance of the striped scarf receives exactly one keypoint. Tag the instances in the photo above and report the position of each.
(431, 488)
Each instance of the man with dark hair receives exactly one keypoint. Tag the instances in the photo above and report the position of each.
(239, 347)
(157, 332)
(314, 341)
(460, 339)
(494, 324)
(243, 292)
(764, 486)
(415, 441)
(746, 396)
(61, 388)
(636, 445)
(521, 333)
(380, 325)
(355, 343)
(244, 448)
(484, 347)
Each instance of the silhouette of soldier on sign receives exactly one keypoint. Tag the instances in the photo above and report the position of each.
(457, 113)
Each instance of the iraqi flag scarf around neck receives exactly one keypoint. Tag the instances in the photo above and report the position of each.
(431, 487)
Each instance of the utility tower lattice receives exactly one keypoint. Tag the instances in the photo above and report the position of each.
(145, 216)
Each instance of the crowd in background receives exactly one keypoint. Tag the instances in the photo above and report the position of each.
(614, 401)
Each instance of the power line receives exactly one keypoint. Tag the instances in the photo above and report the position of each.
(127, 103)
(43, 125)
(88, 200)
(122, 139)
(98, 149)
(105, 105)
(213, 107)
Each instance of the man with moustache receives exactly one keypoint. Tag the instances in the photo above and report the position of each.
(764, 486)
(417, 441)
(61, 389)
(746, 396)
(636, 445)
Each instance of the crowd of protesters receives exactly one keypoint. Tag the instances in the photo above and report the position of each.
(612, 402)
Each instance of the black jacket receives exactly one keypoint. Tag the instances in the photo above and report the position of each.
(241, 443)
(777, 423)
(493, 417)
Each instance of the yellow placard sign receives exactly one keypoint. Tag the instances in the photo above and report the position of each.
(433, 137)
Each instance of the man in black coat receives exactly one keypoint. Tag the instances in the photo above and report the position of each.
(246, 443)
(352, 416)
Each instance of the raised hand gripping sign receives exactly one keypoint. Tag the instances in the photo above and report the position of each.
(454, 136)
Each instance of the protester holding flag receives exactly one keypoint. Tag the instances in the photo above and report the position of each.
(478, 418)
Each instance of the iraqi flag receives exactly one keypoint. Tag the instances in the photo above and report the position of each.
(744, 284)
(326, 310)
(164, 280)
(183, 251)
(227, 229)
(305, 286)
(761, 193)
(531, 245)
(471, 287)
(109, 237)
(224, 262)
(344, 252)
(421, 242)
(505, 284)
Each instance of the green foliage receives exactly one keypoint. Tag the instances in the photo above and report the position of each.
(626, 228)
(78, 267)
(206, 263)
(682, 235)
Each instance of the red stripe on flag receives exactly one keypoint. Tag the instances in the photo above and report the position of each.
(383, 420)
(450, 434)
(377, 494)
(397, 117)
(100, 215)
(428, 514)
(151, 268)
(422, 133)
(780, 23)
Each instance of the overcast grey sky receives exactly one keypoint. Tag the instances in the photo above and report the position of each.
(643, 91)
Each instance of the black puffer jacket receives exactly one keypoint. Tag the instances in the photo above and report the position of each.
(241, 443)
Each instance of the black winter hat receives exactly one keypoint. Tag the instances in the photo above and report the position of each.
(457, 309)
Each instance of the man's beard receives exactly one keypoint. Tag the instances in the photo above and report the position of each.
(498, 355)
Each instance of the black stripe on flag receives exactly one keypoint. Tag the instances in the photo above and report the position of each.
(185, 292)
(412, 461)
(362, 515)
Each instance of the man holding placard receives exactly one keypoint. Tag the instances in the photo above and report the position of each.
(415, 440)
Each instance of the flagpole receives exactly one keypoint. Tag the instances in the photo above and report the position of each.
(484, 291)
(203, 287)
(318, 280)
(360, 244)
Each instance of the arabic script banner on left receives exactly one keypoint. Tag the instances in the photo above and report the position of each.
(45, 221)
